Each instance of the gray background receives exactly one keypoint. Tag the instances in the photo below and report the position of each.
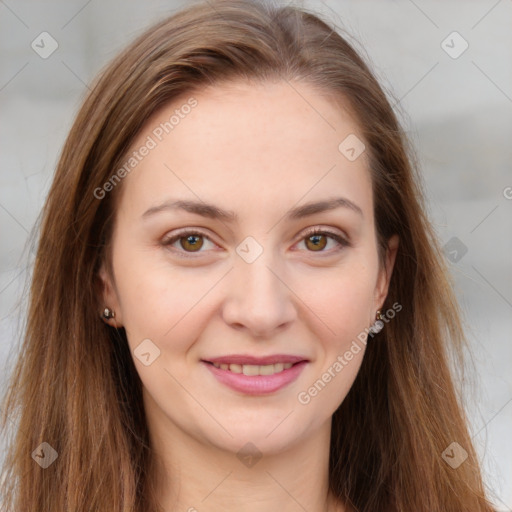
(457, 111)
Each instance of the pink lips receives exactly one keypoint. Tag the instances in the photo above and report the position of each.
(256, 384)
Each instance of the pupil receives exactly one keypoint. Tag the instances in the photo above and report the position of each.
(315, 239)
(192, 242)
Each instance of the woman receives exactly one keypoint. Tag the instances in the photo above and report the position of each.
(238, 302)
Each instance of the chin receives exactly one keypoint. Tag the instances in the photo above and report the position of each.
(266, 436)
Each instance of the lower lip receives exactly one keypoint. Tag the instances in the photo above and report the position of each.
(257, 384)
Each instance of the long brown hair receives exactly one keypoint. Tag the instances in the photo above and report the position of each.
(75, 386)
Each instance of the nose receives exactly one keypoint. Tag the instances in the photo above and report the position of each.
(259, 299)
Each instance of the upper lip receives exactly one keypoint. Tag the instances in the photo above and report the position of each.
(258, 361)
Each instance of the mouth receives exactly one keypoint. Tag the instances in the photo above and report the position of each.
(253, 369)
(255, 376)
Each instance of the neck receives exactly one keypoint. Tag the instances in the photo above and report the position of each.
(194, 477)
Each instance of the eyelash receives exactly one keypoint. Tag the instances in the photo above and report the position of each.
(342, 242)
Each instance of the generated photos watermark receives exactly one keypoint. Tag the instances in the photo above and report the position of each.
(157, 135)
(305, 397)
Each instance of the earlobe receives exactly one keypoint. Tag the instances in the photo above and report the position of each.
(109, 305)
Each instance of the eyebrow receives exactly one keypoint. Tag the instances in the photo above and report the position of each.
(214, 212)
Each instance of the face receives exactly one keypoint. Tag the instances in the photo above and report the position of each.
(224, 251)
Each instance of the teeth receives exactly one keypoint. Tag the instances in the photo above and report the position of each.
(268, 369)
(252, 369)
(235, 368)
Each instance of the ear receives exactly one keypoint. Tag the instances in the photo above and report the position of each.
(108, 297)
(384, 278)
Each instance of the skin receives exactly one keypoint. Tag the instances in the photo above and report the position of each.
(258, 150)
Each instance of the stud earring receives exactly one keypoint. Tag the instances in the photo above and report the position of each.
(108, 313)
(379, 324)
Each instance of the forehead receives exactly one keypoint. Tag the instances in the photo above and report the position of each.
(269, 143)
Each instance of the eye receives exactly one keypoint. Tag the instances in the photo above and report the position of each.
(189, 241)
(317, 239)
(192, 241)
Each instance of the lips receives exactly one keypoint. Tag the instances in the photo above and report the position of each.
(256, 375)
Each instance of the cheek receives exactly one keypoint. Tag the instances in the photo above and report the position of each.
(341, 299)
(158, 301)
(342, 304)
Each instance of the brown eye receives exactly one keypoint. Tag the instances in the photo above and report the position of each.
(186, 243)
(191, 242)
(318, 239)
(316, 242)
